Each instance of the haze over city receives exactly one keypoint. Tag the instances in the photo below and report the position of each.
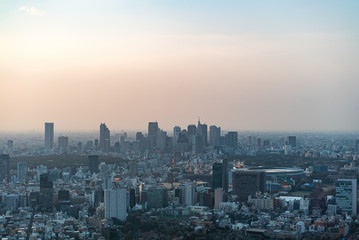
(244, 65)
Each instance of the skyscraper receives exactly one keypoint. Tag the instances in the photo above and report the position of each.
(217, 176)
(63, 143)
(220, 175)
(292, 140)
(4, 167)
(46, 193)
(246, 183)
(104, 138)
(115, 203)
(214, 135)
(232, 139)
(21, 170)
(49, 135)
(152, 133)
(346, 196)
(202, 130)
(176, 132)
(92, 163)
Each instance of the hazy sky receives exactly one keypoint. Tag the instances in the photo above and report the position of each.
(242, 65)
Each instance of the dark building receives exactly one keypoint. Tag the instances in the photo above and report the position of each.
(231, 139)
(34, 199)
(157, 198)
(202, 131)
(46, 193)
(10, 145)
(152, 133)
(246, 183)
(357, 145)
(49, 135)
(214, 135)
(63, 200)
(225, 175)
(92, 163)
(217, 176)
(104, 144)
(292, 140)
(63, 143)
(192, 130)
(132, 197)
(4, 167)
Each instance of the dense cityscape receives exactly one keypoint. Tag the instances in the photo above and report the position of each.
(196, 182)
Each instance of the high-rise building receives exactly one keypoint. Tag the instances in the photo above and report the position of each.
(189, 194)
(10, 145)
(115, 203)
(92, 163)
(49, 135)
(192, 129)
(292, 140)
(245, 183)
(217, 176)
(152, 133)
(220, 176)
(63, 143)
(161, 140)
(157, 198)
(231, 139)
(176, 133)
(214, 135)
(357, 145)
(46, 193)
(4, 167)
(104, 144)
(21, 170)
(225, 175)
(203, 131)
(346, 196)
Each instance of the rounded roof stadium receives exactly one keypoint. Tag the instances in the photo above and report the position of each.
(275, 171)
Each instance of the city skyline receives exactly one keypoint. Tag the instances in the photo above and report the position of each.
(243, 65)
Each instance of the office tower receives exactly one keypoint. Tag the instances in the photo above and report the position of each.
(4, 167)
(115, 203)
(10, 145)
(198, 144)
(104, 144)
(46, 193)
(214, 135)
(225, 175)
(157, 198)
(203, 131)
(292, 140)
(220, 175)
(132, 197)
(217, 176)
(49, 135)
(21, 170)
(346, 196)
(152, 133)
(357, 145)
(231, 139)
(192, 129)
(176, 133)
(161, 139)
(259, 142)
(189, 194)
(245, 183)
(92, 163)
(63, 143)
(133, 168)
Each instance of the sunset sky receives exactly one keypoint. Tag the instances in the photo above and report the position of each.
(242, 65)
